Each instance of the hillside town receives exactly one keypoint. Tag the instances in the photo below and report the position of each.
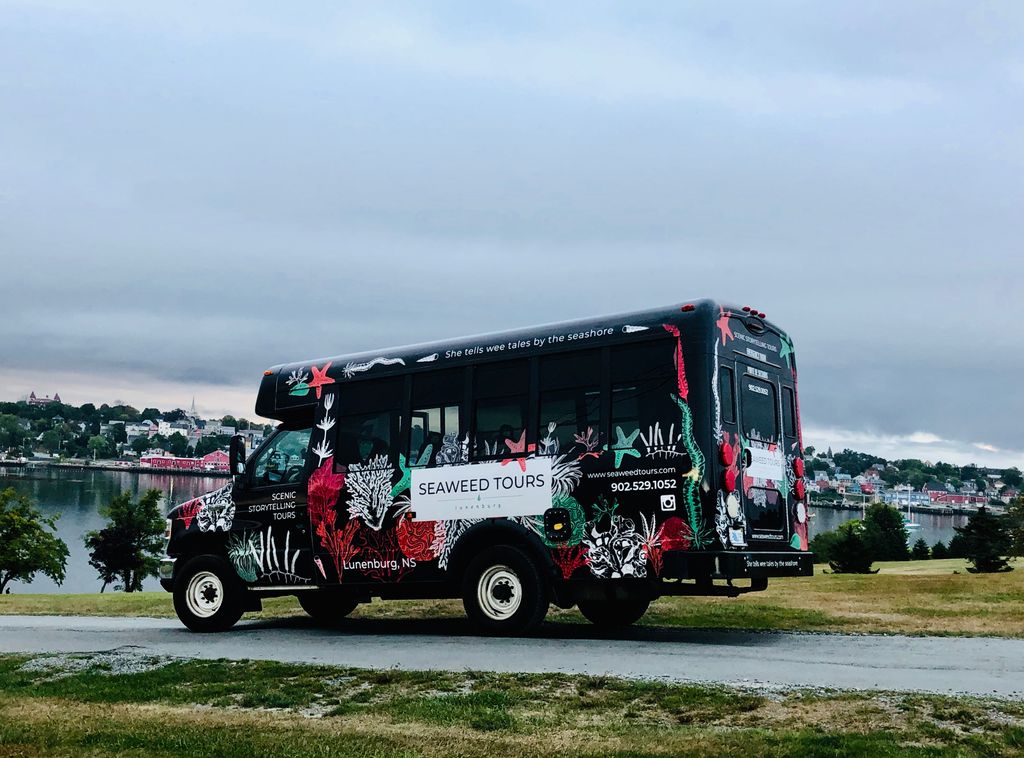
(852, 477)
(40, 429)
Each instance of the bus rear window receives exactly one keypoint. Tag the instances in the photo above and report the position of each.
(760, 410)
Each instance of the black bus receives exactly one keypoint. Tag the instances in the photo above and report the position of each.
(598, 463)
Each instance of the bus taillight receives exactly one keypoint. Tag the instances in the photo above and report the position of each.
(730, 480)
(800, 489)
(798, 467)
(727, 454)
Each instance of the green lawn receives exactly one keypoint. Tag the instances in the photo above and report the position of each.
(913, 597)
(121, 705)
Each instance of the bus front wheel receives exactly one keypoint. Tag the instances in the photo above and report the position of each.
(609, 613)
(208, 597)
(504, 592)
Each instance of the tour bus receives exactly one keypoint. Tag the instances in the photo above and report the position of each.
(599, 463)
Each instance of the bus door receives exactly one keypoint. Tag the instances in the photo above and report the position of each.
(269, 544)
(763, 482)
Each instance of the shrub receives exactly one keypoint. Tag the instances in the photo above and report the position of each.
(987, 541)
(919, 552)
(939, 550)
(850, 553)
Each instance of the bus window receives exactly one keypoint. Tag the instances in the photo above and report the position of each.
(643, 389)
(500, 392)
(727, 395)
(570, 400)
(369, 421)
(788, 412)
(284, 461)
(760, 410)
(435, 418)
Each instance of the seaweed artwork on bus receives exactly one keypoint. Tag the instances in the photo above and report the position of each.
(601, 463)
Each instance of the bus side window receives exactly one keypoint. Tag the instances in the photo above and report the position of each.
(788, 412)
(500, 392)
(570, 401)
(727, 395)
(643, 387)
(436, 427)
(368, 423)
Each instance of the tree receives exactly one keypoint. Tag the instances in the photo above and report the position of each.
(26, 545)
(118, 434)
(99, 446)
(140, 445)
(1012, 476)
(939, 550)
(149, 414)
(206, 445)
(51, 441)
(919, 552)
(176, 415)
(986, 542)
(229, 421)
(822, 544)
(177, 444)
(849, 552)
(12, 436)
(958, 546)
(1015, 525)
(885, 533)
(128, 548)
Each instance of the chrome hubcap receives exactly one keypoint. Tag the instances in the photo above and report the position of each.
(205, 594)
(499, 593)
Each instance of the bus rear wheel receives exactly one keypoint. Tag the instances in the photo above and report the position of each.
(610, 613)
(504, 592)
(326, 607)
(208, 597)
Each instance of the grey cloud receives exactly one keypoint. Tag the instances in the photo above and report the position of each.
(192, 196)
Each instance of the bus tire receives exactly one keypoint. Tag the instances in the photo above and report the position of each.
(326, 607)
(609, 613)
(504, 592)
(208, 596)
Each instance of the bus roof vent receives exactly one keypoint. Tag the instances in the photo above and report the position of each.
(755, 325)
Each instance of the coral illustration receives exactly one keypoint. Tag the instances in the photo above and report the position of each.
(369, 487)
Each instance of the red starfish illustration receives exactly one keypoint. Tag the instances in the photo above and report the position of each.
(723, 324)
(518, 447)
(320, 378)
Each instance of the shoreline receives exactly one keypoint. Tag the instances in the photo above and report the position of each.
(33, 465)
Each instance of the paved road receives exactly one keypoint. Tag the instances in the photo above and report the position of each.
(980, 666)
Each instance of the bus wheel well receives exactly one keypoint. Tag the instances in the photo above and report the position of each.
(200, 544)
(488, 535)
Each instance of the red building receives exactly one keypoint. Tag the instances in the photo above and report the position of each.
(33, 400)
(215, 461)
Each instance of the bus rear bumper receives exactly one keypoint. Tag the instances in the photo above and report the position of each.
(738, 565)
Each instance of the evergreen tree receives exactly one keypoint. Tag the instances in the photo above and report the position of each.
(127, 549)
(885, 533)
(919, 552)
(987, 541)
(957, 546)
(939, 550)
(1015, 524)
(849, 551)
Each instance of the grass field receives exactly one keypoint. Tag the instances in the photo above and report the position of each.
(119, 704)
(913, 597)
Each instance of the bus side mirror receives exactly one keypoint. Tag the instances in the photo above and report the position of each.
(236, 455)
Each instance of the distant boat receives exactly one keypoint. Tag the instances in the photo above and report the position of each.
(908, 521)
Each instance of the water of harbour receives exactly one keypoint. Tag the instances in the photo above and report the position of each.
(78, 496)
(934, 527)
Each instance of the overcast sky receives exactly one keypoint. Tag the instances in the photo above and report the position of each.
(189, 193)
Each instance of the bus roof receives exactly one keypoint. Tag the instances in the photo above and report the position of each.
(290, 390)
